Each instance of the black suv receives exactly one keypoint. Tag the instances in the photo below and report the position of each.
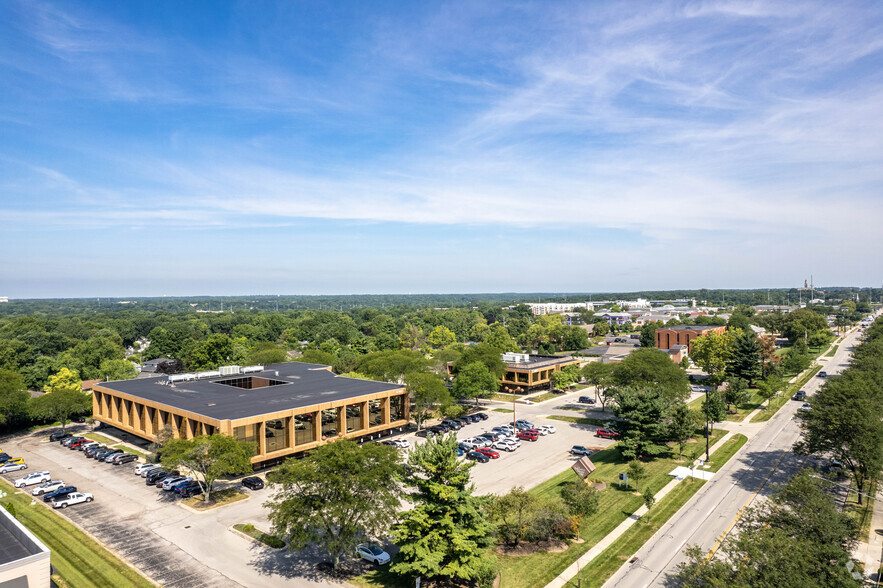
(159, 477)
(253, 483)
(60, 493)
(801, 395)
(59, 436)
(190, 490)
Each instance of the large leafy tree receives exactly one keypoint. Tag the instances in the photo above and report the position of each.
(599, 375)
(427, 392)
(484, 353)
(13, 397)
(651, 367)
(209, 457)
(713, 352)
(336, 497)
(64, 398)
(211, 353)
(746, 361)
(117, 369)
(475, 381)
(648, 333)
(445, 535)
(643, 414)
(682, 425)
(797, 539)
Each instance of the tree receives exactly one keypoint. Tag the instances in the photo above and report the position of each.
(713, 408)
(648, 333)
(475, 381)
(582, 500)
(445, 535)
(636, 471)
(802, 323)
(117, 369)
(64, 398)
(796, 539)
(736, 393)
(392, 366)
(13, 397)
(500, 338)
(211, 353)
(566, 377)
(768, 354)
(746, 361)
(511, 514)
(336, 496)
(651, 367)
(441, 336)
(642, 414)
(427, 391)
(682, 426)
(712, 352)
(209, 457)
(649, 498)
(599, 375)
(770, 387)
(484, 353)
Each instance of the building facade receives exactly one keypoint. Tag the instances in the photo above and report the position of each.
(24, 560)
(284, 409)
(668, 337)
(526, 372)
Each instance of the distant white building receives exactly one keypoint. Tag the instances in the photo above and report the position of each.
(540, 308)
(4, 298)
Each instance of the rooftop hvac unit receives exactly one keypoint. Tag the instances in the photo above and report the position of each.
(180, 378)
(510, 357)
(229, 370)
(207, 374)
(252, 369)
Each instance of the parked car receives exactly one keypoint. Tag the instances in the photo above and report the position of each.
(190, 490)
(454, 425)
(88, 445)
(71, 499)
(253, 483)
(59, 435)
(580, 450)
(50, 486)
(527, 435)
(171, 486)
(68, 441)
(473, 418)
(94, 450)
(476, 456)
(481, 416)
(4, 457)
(33, 478)
(606, 434)
(121, 458)
(60, 493)
(171, 480)
(112, 455)
(805, 406)
(525, 423)
(401, 443)
(491, 436)
(373, 553)
(78, 443)
(507, 445)
(154, 475)
(488, 452)
(586, 400)
(549, 429)
(143, 467)
(13, 465)
(697, 389)
(823, 374)
(79, 419)
(801, 395)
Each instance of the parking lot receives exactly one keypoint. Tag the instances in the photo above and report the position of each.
(179, 547)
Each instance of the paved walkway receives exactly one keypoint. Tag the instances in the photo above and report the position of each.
(870, 552)
(574, 568)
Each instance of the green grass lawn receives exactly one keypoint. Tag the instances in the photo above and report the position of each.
(615, 506)
(606, 564)
(79, 560)
(863, 513)
(832, 351)
(219, 498)
(130, 450)
(786, 395)
(265, 538)
(577, 420)
(503, 410)
(543, 397)
(100, 438)
(505, 397)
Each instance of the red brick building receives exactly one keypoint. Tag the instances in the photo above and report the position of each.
(668, 337)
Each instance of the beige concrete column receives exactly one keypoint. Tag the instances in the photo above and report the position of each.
(364, 415)
(262, 439)
(317, 426)
(384, 407)
(341, 420)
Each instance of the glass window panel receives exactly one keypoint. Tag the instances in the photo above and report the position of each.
(329, 422)
(375, 413)
(276, 435)
(303, 428)
(397, 408)
(353, 417)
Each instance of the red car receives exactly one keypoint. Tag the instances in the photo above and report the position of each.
(527, 435)
(76, 444)
(606, 434)
(488, 452)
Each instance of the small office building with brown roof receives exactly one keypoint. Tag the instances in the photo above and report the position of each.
(284, 408)
(668, 337)
(526, 372)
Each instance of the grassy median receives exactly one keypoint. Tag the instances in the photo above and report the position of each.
(79, 560)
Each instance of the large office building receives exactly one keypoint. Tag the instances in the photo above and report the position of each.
(24, 560)
(284, 408)
(527, 372)
(669, 337)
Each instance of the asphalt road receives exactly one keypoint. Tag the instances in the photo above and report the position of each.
(765, 460)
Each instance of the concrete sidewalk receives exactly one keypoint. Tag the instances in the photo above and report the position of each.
(870, 550)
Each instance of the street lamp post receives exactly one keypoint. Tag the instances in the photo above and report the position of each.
(707, 456)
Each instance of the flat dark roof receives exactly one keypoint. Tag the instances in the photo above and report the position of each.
(11, 549)
(304, 384)
(537, 361)
(690, 327)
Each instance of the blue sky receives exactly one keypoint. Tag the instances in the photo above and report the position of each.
(370, 147)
